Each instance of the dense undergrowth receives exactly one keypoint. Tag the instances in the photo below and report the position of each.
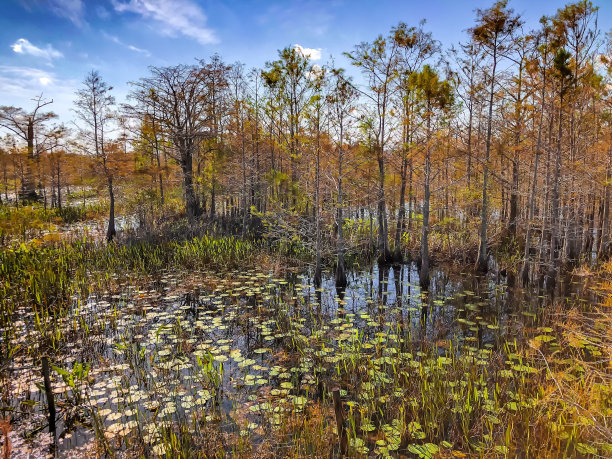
(47, 275)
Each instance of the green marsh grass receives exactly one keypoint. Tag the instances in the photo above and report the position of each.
(189, 349)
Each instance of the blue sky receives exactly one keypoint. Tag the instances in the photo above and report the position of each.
(49, 45)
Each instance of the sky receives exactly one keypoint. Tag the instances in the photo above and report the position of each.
(48, 46)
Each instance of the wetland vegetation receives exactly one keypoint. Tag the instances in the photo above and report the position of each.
(290, 262)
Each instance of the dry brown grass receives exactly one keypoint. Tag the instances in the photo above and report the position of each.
(5, 428)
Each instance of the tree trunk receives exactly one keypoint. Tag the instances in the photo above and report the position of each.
(555, 214)
(59, 188)
(384, 255)
(161, 187)
(192, 207)
(110, 234)
(469, 140)
(410, 200)
(482, 261)
(401, 217)
(603, 249)
(424, 270)
(587, 245)
(28, 190)
(514, 198)
(317, 206)
(244, 177)
(341, 281)
(524, 275)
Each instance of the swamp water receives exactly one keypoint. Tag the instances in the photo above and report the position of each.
(244, 361)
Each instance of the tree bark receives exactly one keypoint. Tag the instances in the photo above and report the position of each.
(341, 281)
(401, 216)
(28, 188)
(482, 261)
(555, 213)
(384, 254)
(424, 270)
(192, 206)
(604, 249)
(524, 275)
(111, 232)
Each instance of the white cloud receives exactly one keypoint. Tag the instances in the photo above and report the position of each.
(311, 53)
(173, 17)
(72, 10)
(23, 46)
(13, 79)
(102, 12)
(139, 50)
(116, 39)
(112, 38)
(314, 72)
(19, 84)
(312, 17)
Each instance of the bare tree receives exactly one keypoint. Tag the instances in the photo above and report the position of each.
(341, 100)
(415, 46)
(541, 50)
(290, 77)
(30, 127)
(182, 106)
(150, 136)
(435, 96)
(316, 121)
(378, 61)
(94, 109)
(495, 33)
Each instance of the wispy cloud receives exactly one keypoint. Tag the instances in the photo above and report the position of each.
(112, 38)
(138, 50)
(23, 46)
(16, 80)
(19, 83)
(172, 17)
(312, 17)
(313, 54)
(116, 40)
(72, 10)
(102, 12)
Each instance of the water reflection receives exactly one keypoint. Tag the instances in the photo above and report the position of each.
(162, 328)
